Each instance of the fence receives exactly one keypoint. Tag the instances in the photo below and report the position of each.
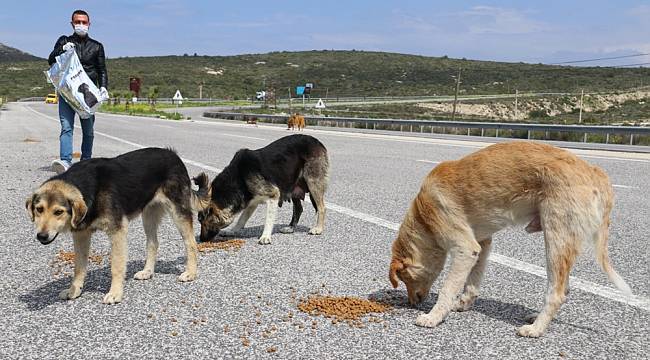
(440, 126)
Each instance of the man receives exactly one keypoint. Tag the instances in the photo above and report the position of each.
(91, 55)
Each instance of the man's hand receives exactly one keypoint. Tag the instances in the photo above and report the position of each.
(103, 93)
(68, 46)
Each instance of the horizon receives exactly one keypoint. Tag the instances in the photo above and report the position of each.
(547, 32)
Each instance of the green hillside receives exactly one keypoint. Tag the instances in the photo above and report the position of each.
(342, 73)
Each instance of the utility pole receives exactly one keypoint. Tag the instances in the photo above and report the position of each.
(582, 94)
(516, 103)
(453, 114)
(290, 100)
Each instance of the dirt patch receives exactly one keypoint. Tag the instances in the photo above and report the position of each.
(228, 245)
(347, 308)
(31, 140)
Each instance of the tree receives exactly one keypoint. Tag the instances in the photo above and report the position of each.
(153, 95)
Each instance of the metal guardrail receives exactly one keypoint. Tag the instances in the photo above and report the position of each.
(421, 125)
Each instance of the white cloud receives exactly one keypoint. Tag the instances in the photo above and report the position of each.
(496, 20)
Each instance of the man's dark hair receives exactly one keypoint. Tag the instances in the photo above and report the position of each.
(79, 12)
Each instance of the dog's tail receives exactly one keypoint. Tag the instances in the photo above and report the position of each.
(602, 256)
(601, 238)
(201, 197)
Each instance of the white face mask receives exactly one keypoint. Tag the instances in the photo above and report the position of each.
(81, 30)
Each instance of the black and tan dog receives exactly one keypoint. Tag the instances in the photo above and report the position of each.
(282, 171)
(105, 194)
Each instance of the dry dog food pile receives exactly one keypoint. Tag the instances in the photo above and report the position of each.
(67, 258)
(234, 244)
(340, 308)
(64, 259)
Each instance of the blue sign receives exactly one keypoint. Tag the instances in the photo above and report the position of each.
(300, 90)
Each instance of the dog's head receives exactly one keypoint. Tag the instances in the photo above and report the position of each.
(54, 208)
(418, 281)
(214, 218)
(406, 266)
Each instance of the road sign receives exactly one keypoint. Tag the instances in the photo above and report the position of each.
(320, 104)
(178, 95)
(300, 90)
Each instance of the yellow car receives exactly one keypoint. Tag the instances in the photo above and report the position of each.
(51, 99)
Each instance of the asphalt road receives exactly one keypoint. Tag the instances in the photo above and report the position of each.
(240, 304)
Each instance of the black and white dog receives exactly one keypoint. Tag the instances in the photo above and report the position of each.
(284, 170)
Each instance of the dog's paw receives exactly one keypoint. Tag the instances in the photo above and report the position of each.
(264, 240)
(530, 331)
(227, 233)
(287, 230)
(315, 231)
(71, 293)
(143, 275)
(113, 297)
(428, 320)
(462, 304)
(187, 276)
(530, 318)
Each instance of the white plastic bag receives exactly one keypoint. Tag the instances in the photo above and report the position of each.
(73, 84)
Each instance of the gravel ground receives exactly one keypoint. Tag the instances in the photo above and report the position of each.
(243, 303)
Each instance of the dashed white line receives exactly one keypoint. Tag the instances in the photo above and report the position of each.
(593, 288)
(429, 161)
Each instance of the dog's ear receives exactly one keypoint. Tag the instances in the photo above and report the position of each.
(29, 206)
(79, 210)
(395, 266)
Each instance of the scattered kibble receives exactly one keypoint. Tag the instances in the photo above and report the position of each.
(233, 245)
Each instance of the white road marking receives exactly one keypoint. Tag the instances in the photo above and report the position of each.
(596, 289)
(428, 161)
(244, 137)
(613, 158)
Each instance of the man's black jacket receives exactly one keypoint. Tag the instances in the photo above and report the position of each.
(91, 55)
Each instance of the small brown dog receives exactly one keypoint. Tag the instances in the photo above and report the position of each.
(462, 203)
(251, 120)
(296, 121)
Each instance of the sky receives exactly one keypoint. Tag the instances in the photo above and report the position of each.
(531, 31)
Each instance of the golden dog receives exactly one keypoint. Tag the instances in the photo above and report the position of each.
(462, 203)
(296, 121)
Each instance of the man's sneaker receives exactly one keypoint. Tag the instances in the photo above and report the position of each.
(60, 166)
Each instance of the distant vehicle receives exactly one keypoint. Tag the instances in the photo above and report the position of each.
(260, 95)
(51, 99)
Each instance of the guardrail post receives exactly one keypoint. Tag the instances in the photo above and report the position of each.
(411, 128)
(482, 132)
(374, 126)
(421, 129)
(400, 128)
(631, 139)
(584, 139)
(497, 133)
(528, 134)
(607, 138)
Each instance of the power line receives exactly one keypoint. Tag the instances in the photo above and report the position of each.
(598, 59)
(632, 65)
